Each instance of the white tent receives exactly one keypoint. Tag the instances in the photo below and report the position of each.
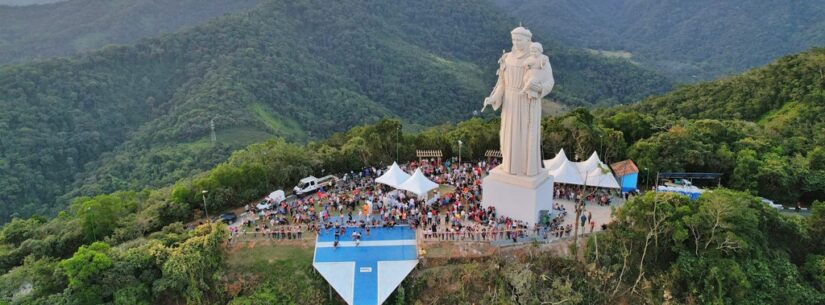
(418, 184)
(567, 173)
(587, 166)
(393, 177)
(557, 161)
(601, 177)
(277, 196)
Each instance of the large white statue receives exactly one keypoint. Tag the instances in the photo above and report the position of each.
(524, 78)
(520, 188)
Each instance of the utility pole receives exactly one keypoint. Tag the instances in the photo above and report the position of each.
(204, 206)
(459, 152)
(647, 179)
(212, 125)
(94, 226)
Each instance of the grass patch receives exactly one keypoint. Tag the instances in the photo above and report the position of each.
(612, 54)
(264, 258)
(287, 128)
(789, 111)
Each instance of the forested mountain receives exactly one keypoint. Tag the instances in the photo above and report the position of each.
(127, 117)
(688, 40)
(59, 29)
(765, 129)
(727, 247)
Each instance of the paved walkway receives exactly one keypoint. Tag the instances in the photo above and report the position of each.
(601, 214)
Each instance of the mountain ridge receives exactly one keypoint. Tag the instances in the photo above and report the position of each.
(138, 110)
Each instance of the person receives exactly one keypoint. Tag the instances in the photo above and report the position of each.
(592, 225)
(583, 219)
(535, 64)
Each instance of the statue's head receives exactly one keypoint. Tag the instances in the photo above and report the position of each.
(521, 39)
(536, 48)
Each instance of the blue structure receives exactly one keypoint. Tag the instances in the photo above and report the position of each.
(366, 273)
(629, 182)
(627, 173)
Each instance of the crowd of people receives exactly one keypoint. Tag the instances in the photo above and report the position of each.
(453, 213)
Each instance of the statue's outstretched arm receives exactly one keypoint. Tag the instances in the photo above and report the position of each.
(497, 96)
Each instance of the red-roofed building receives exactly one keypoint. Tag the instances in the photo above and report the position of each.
(627, 173)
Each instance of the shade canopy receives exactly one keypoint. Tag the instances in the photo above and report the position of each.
(601, 177)
(556, 162)
(418, 184)
(394, 176)
(277, 196)
(567, 173)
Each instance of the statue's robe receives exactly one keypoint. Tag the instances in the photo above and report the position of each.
(520, 134)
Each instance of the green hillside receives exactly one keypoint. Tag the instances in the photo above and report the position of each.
(68, 27)
(687, 40)
(762, 129)
(727, 247)
(128, 117)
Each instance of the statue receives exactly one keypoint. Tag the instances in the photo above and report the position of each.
(524, 78)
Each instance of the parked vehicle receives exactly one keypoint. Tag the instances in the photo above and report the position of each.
(228, 218)
(772, 204)
(311, 184)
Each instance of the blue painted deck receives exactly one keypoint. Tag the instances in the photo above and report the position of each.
(397, 233)
(396, 245)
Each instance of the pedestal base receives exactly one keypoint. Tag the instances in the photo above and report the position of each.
(518, 197)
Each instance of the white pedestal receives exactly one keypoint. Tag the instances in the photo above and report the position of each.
(517, 197)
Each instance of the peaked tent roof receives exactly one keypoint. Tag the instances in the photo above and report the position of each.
(586, 166)
(556, 162)
(601, 177)
(567, 173)
(418, 184)
(393, 177)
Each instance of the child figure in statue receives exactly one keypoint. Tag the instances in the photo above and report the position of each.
(534, 64)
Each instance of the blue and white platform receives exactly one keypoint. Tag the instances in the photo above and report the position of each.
(368, 273)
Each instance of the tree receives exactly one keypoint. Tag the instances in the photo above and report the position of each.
(85, 270)
(746, 171)
(190, 271)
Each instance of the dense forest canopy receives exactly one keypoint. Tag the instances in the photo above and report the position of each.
(763, 129)
(687, 40)
(129, 117)
(131, 247)
(59, 29)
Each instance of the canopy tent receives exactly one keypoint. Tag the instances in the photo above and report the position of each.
(587, 166)
(277, 196)
(556, 162)
(567, 173)
(394, 177)
(601, 176)
(418, 184)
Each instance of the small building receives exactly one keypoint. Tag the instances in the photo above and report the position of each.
(627, 173)
(491, 154)
(428, 154)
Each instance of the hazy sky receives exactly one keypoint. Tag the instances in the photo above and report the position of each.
(27, 2)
